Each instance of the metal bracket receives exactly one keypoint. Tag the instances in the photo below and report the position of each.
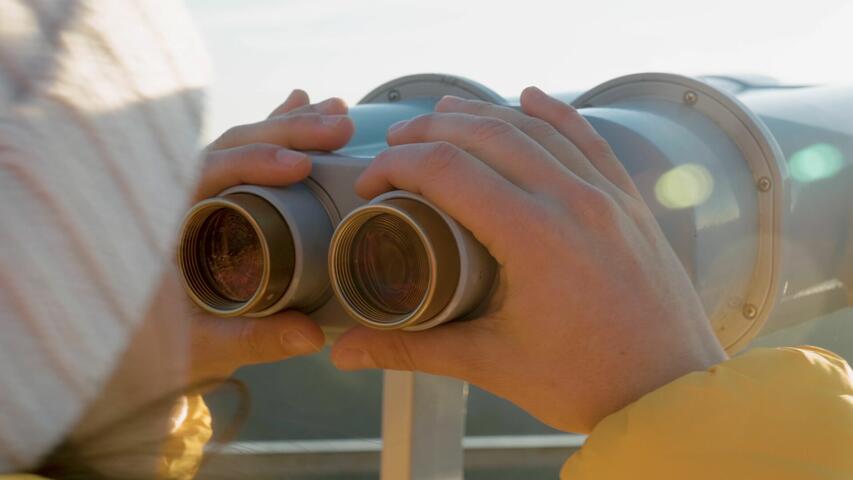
(763, 156)
(431, 85)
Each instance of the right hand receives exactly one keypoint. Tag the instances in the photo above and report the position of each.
(593, 308)
(264, 153)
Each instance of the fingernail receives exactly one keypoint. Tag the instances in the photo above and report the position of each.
(290, 158)
(296, 343)
(397, 126)
(535, 91)
(353, 359)
(332, 120)
(330, 101)
(450, 100)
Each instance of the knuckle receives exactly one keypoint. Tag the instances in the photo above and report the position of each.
(537, 128)
(441, 157)
(566, 112)
(478, 107)
(230, 137)
(596, 208)
(420, 124)
(487, 129)
(598, 147)
(636, 208)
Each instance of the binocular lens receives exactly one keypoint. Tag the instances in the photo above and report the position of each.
(230, 255)
(236, 254)
(389, 265)
(394, 263)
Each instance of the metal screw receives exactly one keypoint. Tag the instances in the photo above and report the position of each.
(690, 97)
(764, 184)
(750, 311)
(393, 95)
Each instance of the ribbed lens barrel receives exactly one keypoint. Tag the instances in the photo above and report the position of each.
(389, 265)
(394, 264)
(236, 254)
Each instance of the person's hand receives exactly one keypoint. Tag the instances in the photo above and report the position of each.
(261, 154)
(593, 308)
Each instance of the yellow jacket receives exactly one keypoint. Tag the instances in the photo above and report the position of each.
(776, 414)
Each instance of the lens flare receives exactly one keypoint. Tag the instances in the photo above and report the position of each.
(816, 162)
(684, 186)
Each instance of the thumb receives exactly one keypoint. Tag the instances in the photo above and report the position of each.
(246, 341)
(459, 350)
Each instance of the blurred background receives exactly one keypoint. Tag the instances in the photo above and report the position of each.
(262, 49)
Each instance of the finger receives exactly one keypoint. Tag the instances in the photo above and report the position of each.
(303, 131)
(499, 144)
(330, 106)
(461, 350)
(246, 341)
(540, 131)
(257, 164)
(569, 122)
(296, 99)
(492, 208)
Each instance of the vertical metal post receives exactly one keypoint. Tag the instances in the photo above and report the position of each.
(423, 423)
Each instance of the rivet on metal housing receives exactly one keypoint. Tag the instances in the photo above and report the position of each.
(690, 97)
(750, 311)
(393, 95)
(764, 184)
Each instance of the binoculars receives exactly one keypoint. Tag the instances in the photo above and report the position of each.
(712, 158)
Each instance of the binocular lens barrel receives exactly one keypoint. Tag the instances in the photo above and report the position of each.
(397, 262)
(236, 254)
(394, 264)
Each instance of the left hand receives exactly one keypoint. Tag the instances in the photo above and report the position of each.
(261, 154)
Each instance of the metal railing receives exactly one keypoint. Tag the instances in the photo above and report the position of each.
(318, 458)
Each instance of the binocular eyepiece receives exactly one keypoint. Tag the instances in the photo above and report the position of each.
(397, 262)
(236, 254)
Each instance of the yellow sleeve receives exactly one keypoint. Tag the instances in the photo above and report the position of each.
(183, 451)
(780, 413)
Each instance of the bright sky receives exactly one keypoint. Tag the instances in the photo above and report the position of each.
(262, 49)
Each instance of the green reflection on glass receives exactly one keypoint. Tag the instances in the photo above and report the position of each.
(816, 162)
(684, 186)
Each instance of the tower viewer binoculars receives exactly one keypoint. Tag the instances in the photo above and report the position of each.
(740, 176)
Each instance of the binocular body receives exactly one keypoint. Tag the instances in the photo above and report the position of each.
(753, 230)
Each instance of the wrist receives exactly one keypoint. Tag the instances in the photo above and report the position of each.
(637, 378)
